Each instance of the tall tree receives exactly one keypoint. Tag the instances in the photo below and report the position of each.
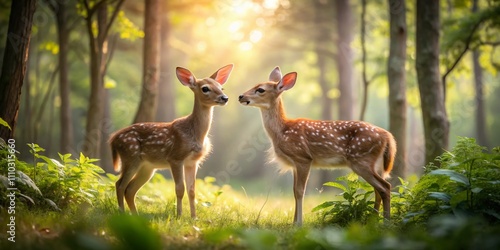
(60, 9)
(480, 120)
(432, 96)
(344, 58)
(97, 14)
(322, 39)
(396, 75)
(366, 82)
(14, 62)
(166, 91)
(151, 64)
(322, 35)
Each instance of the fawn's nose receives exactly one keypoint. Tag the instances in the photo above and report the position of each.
(240, 97)
(224, 98)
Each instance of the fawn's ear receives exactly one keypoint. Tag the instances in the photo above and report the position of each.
(222, 74)
(287, 81)
(275, 75)
(185, 76)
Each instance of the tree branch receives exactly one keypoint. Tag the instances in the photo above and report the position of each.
(466, 48)
(113, 17)
(493, 44)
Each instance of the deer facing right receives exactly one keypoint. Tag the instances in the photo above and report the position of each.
(180, 145)
(302, 143)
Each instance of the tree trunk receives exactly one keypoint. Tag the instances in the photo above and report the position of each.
(98, 65)
(92, 139)
(363, 60)
(148, 104)
(14, 63)
(166, 89)
(322, 38)
(481, 135)
(64, 88)
(435, 119)
(106, 129)
(396, 74)
(344, 58)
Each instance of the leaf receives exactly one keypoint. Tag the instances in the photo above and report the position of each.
(460, 178)
(492, 213)
(209, 179)
(259, 239)
(26, 180)
(52, 204)
(218, 193)
(206, 204)
(82, 159)
(323, 205)
(218, 236)
(27, 198)
(4, 123)
(336, 185)
(440, 196)
(476, 190)
(134, 232)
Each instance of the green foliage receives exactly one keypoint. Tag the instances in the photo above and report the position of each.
(4, 123)
(356, 205)
(466, 185)
(55, 183)
(134, 232)
(469, 29)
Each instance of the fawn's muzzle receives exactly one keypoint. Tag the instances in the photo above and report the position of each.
(243, 100)
(224, 99)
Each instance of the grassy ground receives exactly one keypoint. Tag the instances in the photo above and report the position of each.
(221, 211)
(227, 219)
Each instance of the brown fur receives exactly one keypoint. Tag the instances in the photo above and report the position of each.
(180, 145)
(302, 143)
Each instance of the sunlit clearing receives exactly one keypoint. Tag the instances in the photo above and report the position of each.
(271, 4)
(210, 21)
(245, 46)
(255, 36)
(235, 26)
(201, 46)
(241, 7)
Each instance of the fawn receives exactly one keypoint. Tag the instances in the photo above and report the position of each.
(180, 145)
(300, 143)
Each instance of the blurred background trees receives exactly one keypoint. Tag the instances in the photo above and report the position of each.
(95, 50)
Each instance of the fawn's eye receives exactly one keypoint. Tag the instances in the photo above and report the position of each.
(260, 90)
(205, 89)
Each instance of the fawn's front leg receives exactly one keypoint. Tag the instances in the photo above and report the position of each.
(190, 169)
(300, 177)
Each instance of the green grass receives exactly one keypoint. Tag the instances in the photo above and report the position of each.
(227, 219)
(221, 212)
(66, 204)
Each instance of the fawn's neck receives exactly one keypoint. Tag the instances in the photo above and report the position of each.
(200, 120)
(274, 118)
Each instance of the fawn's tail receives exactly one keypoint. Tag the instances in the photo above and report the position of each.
(115, 156)
(389, 154)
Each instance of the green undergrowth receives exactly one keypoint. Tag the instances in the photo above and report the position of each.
(69, 203)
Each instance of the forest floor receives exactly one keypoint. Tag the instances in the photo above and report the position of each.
(227, 219)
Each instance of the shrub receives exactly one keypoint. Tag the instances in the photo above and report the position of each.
(53, 183)
(466, 184)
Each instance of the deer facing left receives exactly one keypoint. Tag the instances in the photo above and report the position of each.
(180, 145)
